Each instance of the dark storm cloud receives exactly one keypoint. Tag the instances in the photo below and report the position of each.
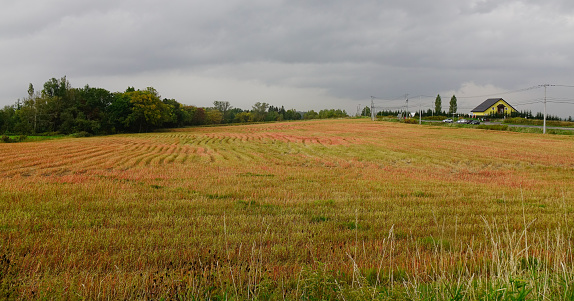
(346, 49)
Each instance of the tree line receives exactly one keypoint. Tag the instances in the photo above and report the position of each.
(453, 107)
(61, 109)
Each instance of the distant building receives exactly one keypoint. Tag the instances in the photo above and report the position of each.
(493, 106)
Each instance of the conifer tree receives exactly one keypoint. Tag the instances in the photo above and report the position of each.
(437, 105)
(452, 108)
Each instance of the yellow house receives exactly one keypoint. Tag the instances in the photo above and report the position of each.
(493, 106)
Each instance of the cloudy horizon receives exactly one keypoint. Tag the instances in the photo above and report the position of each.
(299, 54)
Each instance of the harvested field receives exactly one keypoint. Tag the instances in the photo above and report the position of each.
(338, 209)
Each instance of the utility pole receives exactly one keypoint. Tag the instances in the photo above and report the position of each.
(372, 108)
(544, 127)
(544, 124)
(407, 97)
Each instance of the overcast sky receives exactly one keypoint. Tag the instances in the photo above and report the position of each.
(301, 54)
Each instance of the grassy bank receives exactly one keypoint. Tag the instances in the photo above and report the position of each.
(538, 122)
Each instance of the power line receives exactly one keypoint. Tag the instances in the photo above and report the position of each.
(390, 98)
(401, 98)
(559, 101)
(502, 93)
(527, 103)
(390, 108)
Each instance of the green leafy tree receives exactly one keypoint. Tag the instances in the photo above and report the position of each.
(148, 110)
(292, 115)
(117, 113)
(437, 105)
(56, 88)
(213, 117)
(273, 116)
(199, 116)
(37, 114)
(452, 106)
(57, 97)
(180, 116)
(5, 120)
(311, 115)
(30, 90)
(323, 114)
(332, 113)
(93, 101)
(366, 111)
(187, 113)
(232, 113)
(223, 107)
(85, 111)
(242, 117)
(259, 111)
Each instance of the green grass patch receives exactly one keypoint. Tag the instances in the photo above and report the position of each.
(319, 219)
(421, 194)
(324, 203)
(493, 127)
(217, 196)
(431, 244)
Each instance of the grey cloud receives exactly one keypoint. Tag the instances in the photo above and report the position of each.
(350, 49)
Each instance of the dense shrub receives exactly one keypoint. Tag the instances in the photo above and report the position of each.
(8, 139)
(81, 134)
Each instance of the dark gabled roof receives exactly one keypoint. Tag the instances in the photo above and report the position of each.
(488, 103)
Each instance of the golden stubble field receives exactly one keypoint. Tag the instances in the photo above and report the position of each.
(338, 209)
